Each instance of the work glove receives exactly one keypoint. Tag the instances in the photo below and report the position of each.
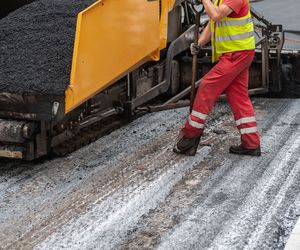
(195, 49)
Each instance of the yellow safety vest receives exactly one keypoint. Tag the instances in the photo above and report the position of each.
(231, 34)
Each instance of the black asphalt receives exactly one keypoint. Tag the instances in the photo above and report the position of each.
(7, 6)
(36, 45)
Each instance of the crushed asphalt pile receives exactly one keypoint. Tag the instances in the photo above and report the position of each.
(36, 46)
(7, 6)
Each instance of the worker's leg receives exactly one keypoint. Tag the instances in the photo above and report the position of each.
(244, 115)
(212, 86)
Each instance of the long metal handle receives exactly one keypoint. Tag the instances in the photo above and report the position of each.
(194, 63)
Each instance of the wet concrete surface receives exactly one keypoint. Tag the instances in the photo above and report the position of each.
(128, 190)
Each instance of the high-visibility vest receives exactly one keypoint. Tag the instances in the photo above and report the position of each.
(232, 34)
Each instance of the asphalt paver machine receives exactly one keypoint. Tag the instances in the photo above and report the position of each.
(72, 71)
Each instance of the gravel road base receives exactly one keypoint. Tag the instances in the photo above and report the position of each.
(128, 190)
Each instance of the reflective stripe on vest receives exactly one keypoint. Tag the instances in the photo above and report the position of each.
(232, 34)
(234, 37)
(234, 22)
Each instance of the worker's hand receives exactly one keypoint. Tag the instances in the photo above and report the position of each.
(195, 49)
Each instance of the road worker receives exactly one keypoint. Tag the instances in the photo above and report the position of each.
(231, 32)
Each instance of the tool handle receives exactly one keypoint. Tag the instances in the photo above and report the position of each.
(194, 63)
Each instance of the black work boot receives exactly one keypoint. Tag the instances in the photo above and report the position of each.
(187, 146)
(239, 150)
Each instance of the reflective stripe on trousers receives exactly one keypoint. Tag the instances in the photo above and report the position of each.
(196, 123)
(245, 120)
(199, 115)
(251, 130)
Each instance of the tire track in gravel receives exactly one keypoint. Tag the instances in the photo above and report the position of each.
(269, 195)
(75, 202)
(14, 172)
(182, 197)
(229, 206)
(119, 190)
(90, 197)
(28, 201)
(101, 239)
(167, 216)
(108, 228)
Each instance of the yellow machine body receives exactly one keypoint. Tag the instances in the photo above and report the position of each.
(113, 38)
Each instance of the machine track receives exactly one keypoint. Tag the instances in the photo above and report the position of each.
(128, 190)
(86, 136)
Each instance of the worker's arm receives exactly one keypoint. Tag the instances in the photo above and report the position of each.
(203, 40)
(216, 13)
(204, 36)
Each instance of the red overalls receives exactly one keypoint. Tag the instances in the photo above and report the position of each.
(230, 75)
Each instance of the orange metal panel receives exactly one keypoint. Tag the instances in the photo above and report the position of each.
(112, 38)
(166, 7)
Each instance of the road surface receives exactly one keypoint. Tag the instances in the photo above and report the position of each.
(128, 190)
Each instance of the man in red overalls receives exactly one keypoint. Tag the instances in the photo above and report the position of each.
(231, 32)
